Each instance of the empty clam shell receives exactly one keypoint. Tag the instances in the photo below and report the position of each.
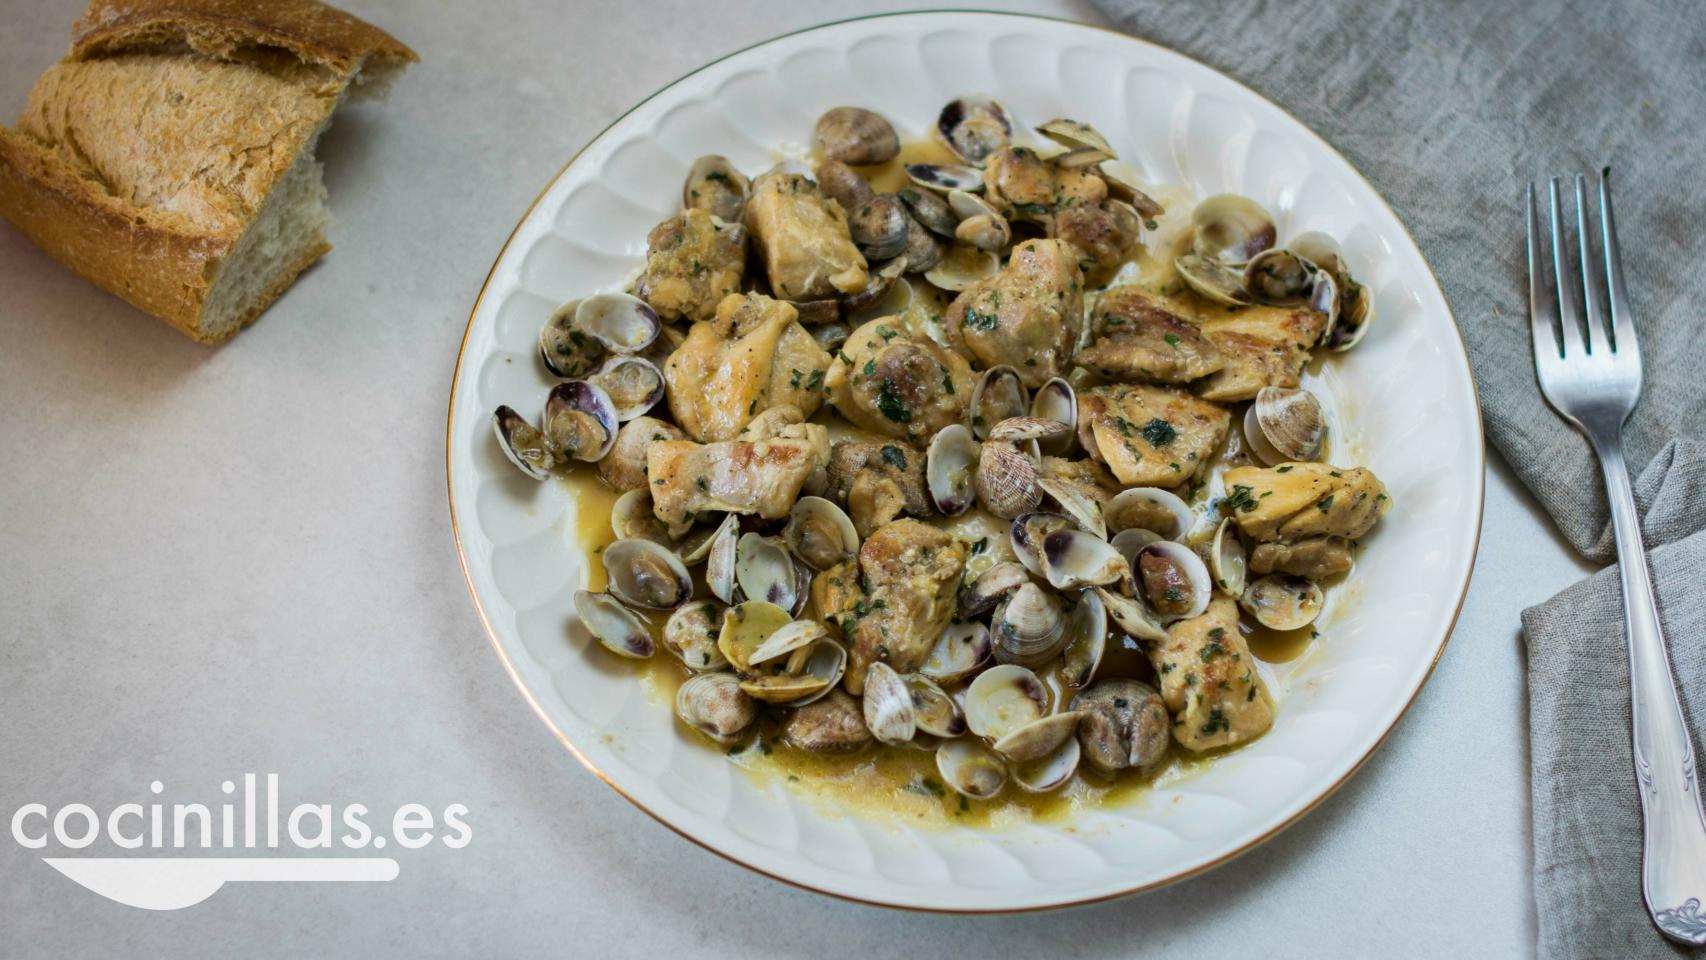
(695, 545)
(1126, 182)
(1320, 249)
(970, 768)
(886, 293)
(889, 713)
(1003, 699)
(1132, 616)
(634, 385)
(1037, 739)
(715, 186)
(566, 352)
(631, 517)
(613, 625)
(950, 469)
(945, 177)
(1281, 601)
(646, 574)
(1285, 424)
(1057, 400)
(1149, 508)
(580, 420)
(1227, 561)
(716, 706)
(981, 225)
(1006, 480)
(1074, 503)
(1353, 316)
(1050, 772)
(745, 628)
(1231, 229)
(935, 713)
(691, 634)
(974, 127)
(1173, 579)
(1015, 429)
(962, 648)
(1027, 534)
(820, 533)
(1075, 559)
(1087, 640)
(525, 445)
(785, 641)
(1212, 279)
(720, 559)
(962, 266)
(1076, 135)
(1123, 725)
(623, 323)
(999, 394)
(811, 672)
(765, 571)
(991, 587)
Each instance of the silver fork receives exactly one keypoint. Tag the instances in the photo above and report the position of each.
(1592, 377)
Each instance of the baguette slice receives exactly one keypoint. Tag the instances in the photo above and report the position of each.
(169, 158)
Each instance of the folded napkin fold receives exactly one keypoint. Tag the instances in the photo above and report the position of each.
(1450, 108)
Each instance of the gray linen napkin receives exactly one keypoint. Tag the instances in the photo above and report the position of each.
(1449, 108)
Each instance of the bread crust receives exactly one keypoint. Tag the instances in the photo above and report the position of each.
(155, 227)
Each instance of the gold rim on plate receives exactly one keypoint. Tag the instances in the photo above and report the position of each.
(515, 676)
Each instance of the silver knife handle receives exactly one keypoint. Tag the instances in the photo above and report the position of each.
(1673, 850)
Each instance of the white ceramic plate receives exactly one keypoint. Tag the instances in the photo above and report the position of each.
(1405, 397)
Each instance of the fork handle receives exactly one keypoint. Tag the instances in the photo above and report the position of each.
(1673, 851)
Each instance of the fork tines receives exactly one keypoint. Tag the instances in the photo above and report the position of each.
(1558, 308)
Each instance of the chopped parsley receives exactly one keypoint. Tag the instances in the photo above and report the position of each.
(890, 405)
(1325, 503)
(1217, 722)
(1159, 432)
(894, 457)
(1240, 500)
(1172, 341)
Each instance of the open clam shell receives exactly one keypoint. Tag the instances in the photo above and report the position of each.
(931, 210)
(1087, 640)
(644, 573)
(1037, 739)
(1173, 580)
(943, 178)
(716, 706)
(622, 322)
(1004, 698)
(1128, 542)
(1227, 561)
(720, 559)
(1149, 508)
(1353, 317)
(566, 352)
(691, 634)
(1126, 182)
(1057, 400)
(981, 225)
(1086, 512)
(1050, 772)
(1028, 531)
(745, 628)
(613, 625)
(524, 444)
(1285, 424)
(765, 571)
(999, 395)
(580, 420)
(1075, 559)
(974, 127)
(694, 546)
(714, 185)
(991, 587)
(1279, 276)
(950, 469)
(970, 768)
(819, 533)
(634, 385)
(962, 266)
(1017, 429)
(810, 672)
(889, 713)
(1132, 616)
(960, 651)
(631, 518)
(1231, 228)
(1280, 601)
(934, 711)
(1213, 279)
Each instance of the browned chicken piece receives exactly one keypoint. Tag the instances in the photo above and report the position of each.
(752, 356)
(896, 384)
(803, 239)
(1149, 436)
(1263, 346)
(1028, 316)
(1299, 501)
(1104, 232)
(1316, 558)
(1085, 476)
(735, 476)
(624, 467)
(835, 593)
(1024, 186)
(1140, 336)
(877, 482)
(693, 260)
(912, 573)
(1209, 681)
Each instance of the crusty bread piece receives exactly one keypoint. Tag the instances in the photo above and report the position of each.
(169, 157)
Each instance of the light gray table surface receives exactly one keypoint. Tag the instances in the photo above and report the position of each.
(217, 561)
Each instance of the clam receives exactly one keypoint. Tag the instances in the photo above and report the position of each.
(1004, 698)
(621, 322)
(1281, 601)
(1057, 400)
(814, 313)
(834, 724)
(1037, 739)
(634, 385)
(1027, 534)
(970, 768)
(1285, 424)
(631, 517)
(974, 127)
(720, 559)
(1279, 276)
(565, 351)
(524, 444)
(934, 712)
(691, 634)
(930, 210)
(886, 293)
(1352, 318)
(950, 469)
(1006, 480)
(830, 336)
(1212, 279)
(961, 267)
(715, 186)
(991, 587)
(1021, 428)
(613, 625)
(1320, 249)
(998, 395)
(962, 648)
(878, 227)
(1126, 183)
(580, 420)
(1076, 504)
(1149, 508)
(716, 706)
(1050, 772)
(745, 628)
(924, 250)
(889, 713)
(1173, 579)
(1227, 562)
(857, 136)
(812, 670)
(1087, 640)
(1123, 725)
(694, 546)
(1074, 559)
(945, 177)
(1132, 616)
(765, 571)
(786, 641)
(1323, 298)
(1231, 229)
(820, 534)
(841, 183)
(646, 574)
(981, 225)
(1128, 542)
(1083, 143)
(1028, 627)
